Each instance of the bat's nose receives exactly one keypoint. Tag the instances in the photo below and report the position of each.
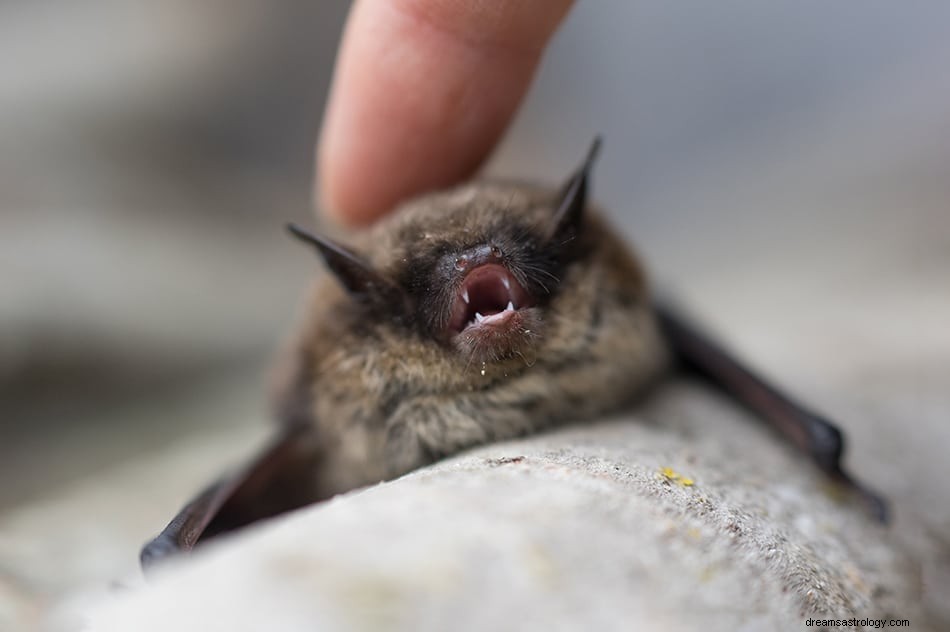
(477, 256)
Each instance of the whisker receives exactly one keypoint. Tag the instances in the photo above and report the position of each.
(535, 272)
(544, 272)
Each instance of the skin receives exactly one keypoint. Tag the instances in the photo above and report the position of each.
(422, 92)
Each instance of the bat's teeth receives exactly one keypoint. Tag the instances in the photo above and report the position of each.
(511, 306)
(465, 295)
(478, 317)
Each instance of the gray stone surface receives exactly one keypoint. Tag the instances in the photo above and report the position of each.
(583, 528)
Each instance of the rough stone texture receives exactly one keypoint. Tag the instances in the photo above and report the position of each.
(578, 529)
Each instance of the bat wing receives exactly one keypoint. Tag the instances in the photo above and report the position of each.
(271, 483)
(811, 433)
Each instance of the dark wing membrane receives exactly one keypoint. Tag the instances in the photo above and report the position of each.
(277, 480)
(809, 432)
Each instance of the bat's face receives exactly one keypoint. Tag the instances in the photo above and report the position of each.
(479, 268)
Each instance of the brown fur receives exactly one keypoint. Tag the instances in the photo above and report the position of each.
(385, 394)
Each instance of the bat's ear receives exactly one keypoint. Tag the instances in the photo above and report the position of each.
(572, 199)
(359, 278)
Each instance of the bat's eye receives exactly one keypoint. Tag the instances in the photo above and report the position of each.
(496, 252)
(461, 263)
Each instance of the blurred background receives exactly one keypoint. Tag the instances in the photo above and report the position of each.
(783, 167)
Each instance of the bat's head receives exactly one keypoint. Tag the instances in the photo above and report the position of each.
(476, 271)
(481, 311)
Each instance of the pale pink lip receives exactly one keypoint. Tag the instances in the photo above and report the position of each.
(487, 297)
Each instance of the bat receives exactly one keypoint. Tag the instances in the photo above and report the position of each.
(488, 311)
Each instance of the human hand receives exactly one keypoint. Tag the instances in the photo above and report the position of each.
(422, 91)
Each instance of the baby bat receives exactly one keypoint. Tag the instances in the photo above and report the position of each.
(485, 312)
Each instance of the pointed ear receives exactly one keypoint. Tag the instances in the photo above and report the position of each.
(572, 199)
(355, 274)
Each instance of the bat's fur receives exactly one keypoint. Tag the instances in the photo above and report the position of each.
(384, 390)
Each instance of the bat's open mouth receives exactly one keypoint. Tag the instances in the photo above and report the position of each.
(488, 297)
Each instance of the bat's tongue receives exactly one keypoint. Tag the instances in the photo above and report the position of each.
(489, 294)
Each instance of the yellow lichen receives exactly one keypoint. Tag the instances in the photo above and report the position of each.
(673, 476)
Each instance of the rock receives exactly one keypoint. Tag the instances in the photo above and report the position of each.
(707, 522)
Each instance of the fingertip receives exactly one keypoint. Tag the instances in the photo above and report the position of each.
(342, 201)
(422, 91)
